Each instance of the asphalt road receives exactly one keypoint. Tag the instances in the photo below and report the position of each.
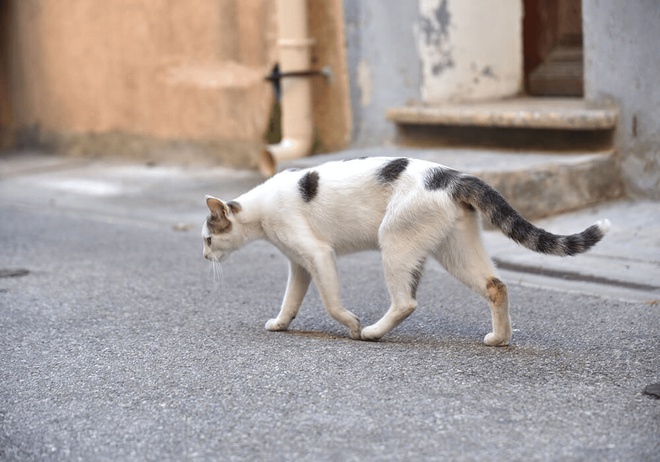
(120, 344)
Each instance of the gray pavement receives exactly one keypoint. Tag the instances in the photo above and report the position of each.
(119, 342)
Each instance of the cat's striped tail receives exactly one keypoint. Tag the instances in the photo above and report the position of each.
(496, 209)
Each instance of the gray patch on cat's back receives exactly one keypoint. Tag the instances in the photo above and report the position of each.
(392, 170)
(440, 178)
(308, 185)
(355, 158)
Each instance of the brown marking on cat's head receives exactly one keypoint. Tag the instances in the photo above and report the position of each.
(221, 232)
(218, 221)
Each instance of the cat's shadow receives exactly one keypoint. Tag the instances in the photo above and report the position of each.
(400, 340)
(316, 335)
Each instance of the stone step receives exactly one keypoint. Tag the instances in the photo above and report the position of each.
(537, 184)
(557, 124)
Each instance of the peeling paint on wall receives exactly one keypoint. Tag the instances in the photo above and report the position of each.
(364, 82)
(469, 50)
(487, 71)
(384, 66)
(622, 36)
(434, 24)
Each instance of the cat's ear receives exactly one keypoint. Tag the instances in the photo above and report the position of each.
(216, 206)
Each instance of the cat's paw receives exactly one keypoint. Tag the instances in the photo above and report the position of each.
(275, 325)
(371, 333)
(493, 340)
(356, 330)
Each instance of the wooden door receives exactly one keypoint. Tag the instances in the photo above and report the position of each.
(552, 43)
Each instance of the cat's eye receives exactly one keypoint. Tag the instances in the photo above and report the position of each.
(208, 241)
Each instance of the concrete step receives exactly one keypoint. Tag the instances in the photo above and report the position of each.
(558, 124)
(537, 184)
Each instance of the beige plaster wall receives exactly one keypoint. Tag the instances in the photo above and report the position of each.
(332, 107)
(154, 79)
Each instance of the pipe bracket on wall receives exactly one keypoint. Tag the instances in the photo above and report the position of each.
(275, 76)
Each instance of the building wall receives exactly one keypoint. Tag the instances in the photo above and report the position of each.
(155, 78)
(6, 132)
(184, 80)
(621, 64)
(133, 76)
(332, 115)
(384, 67)
(470, 50)
(428, 51)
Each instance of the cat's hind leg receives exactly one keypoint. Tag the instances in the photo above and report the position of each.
(403, 254)
(402, 281)
(297, 285)
(463, 255)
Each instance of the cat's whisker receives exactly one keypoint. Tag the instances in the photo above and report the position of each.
(218, 274)
(213, 271)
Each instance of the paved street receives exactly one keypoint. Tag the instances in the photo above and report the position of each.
(119, 342)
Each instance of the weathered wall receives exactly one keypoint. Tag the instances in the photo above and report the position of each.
(330, 97)
(384, 68)
(132, 75)
(621, 64)
(470, 50)
(155, 78)
(428, 51)
(6, 133)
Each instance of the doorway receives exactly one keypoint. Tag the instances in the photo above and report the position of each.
(553, 51)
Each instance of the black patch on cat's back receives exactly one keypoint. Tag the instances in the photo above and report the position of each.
(308, 185)
(392, 170)
(440, 178)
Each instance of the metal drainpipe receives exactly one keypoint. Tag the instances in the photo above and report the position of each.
(294, 56)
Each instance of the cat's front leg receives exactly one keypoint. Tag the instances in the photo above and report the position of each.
(296, 288)
(323, 268)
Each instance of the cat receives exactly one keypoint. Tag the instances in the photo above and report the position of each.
(410, 209)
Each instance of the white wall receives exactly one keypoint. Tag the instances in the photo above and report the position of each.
(408, 51)
(470, 49)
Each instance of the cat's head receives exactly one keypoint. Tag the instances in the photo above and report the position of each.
(221, 232)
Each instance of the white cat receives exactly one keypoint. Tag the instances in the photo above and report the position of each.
(409, 209)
